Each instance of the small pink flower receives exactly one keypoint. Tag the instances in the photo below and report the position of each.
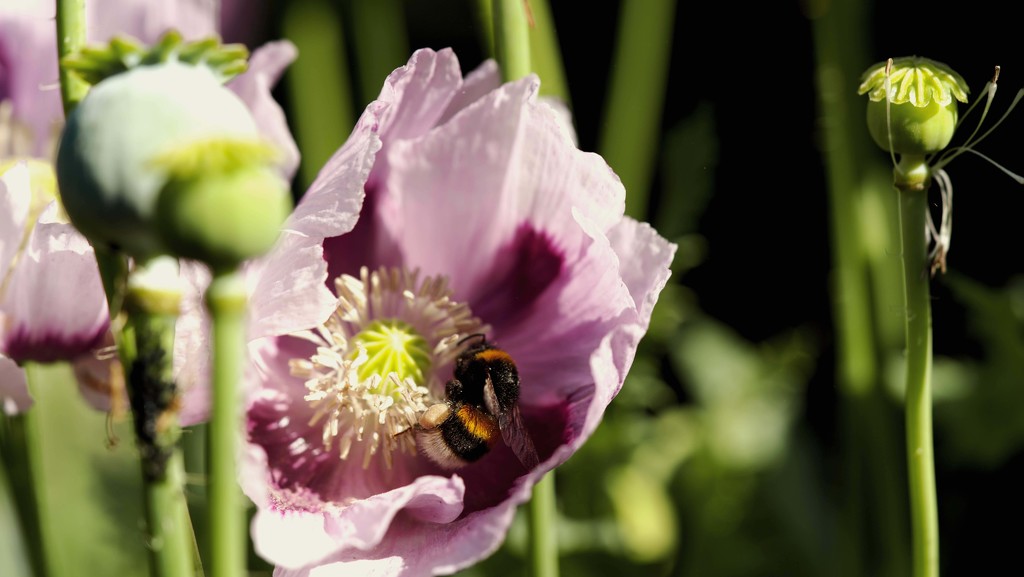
(52, 305)
(480, 216)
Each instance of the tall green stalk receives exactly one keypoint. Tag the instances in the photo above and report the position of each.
(226, 301)
(318, 83)
(629, 139)
(543, 527)
(872, 490)
(511, 38)
(545, 55)
(920, 452)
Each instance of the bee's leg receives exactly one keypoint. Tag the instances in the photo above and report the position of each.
(434, 416)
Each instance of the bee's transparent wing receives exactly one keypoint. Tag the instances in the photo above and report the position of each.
(512, 429)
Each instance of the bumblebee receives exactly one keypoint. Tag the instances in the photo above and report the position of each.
(482, 403)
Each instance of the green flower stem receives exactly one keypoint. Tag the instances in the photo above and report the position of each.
(20, 448)
(629, 139)
(870, 440)
(145, 348)
(511, 38)
(485, 24)
(70, 38)
(920, 453)
(545, 54)
(317, 85)
(226, 301)
(543, 527)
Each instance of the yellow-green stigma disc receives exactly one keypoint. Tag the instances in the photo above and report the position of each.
(394, 347)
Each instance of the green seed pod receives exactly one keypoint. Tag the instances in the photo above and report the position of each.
(223, 202)
(921, 114)
(108, 180)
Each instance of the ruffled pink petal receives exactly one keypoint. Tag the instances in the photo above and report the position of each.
(484, 79)
(414, 98)
(266, 65)
(413, 547)
(288, 288)
(419, 93)
(292, 537)
(15, 199)
(14, 397)
(55, 304)
(644, 260)
(331, 205)
(511, 177)
(446, 188)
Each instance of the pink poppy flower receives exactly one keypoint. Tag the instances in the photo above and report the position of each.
(480, 216)
(52, 305)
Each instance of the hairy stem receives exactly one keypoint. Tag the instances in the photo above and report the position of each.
(70, 38)
(145, 348)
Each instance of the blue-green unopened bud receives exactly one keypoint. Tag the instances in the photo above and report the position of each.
(105, 170)
(224, 202)
(921, 114)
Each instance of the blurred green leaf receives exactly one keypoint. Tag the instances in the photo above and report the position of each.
(984, 427)
(748, 395)
(92, 490)
(14, 560)
(688, 164)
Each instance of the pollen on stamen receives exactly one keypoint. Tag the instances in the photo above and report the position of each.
(373, 371)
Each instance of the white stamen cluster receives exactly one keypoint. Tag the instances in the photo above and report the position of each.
(360, 399)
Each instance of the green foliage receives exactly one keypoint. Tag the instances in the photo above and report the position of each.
(983, 427)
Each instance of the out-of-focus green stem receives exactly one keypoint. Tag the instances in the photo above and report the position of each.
(318, 84)
(379, 34)
(920, 451)
(629, 139)
(543, 528)
(15, 555)
(870, 442)
(20, 450)
(226, 301)
(511, 38)
(851, 304)
(485, 23)
(545, 54)
(546, 57)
